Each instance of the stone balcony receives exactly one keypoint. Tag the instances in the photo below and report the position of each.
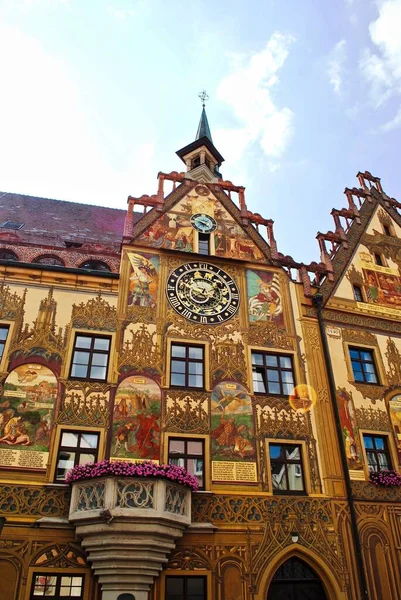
(128, 526)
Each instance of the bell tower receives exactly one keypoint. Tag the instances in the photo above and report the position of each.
(201, 157)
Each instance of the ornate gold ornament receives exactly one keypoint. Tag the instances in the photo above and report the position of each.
(270, 336)
(355, 336)
(355, 277)
(372, 419)
(393, 356)
(141, 353)
(96, 313)
(11, 304)
(372, 392)
(228, 361)
(187, 413)
(91, 410)
(42, 339)
(60, 556)
(33, 501)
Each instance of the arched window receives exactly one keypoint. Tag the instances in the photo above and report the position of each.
(8, 255)
(95, 265)
(295, 579)
(49, 259)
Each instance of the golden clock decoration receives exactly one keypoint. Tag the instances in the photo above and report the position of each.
(203, 293)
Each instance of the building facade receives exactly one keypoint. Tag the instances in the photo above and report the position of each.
(178, 333)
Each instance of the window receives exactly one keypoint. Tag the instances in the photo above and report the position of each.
(196, 162)
(188, 453)
(12, 225)
(203, 243)
(186, 588)
(377, 452)
(90, 358)
(76, 448)
(272, 374)
(387, 230)
(8, 255)
(52, 261)
(95, 265)
(57, 586)
(286, 468)
(3, 338)
(363, 365)
(358, 293)
(378, 260)
(187, 366)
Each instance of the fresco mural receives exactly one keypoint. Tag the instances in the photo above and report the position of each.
(143, 280)
(395, 415)
(264, 297)
(136, 420)
(382, 284)
(350, 432)
(26, 416)
(173, 230)
(232, 423)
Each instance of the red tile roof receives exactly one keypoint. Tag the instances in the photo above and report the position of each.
(53, 222)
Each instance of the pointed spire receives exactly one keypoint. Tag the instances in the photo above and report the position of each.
(203, 127)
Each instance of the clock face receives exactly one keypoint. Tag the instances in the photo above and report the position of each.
(203, 293)
(203, 223)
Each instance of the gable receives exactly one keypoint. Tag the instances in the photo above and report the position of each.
(380, 284)
(172, 230)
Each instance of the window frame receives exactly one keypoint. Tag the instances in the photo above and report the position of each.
(379, 259)
(76, 449)
(357, 289)
(206, 238)
(4, 342)
(302, 462)
(187, 456)
(91, 351)
(187, 361)
(186, 577)
(58, 575)
(370, 350)
(278, 369)
(387, 450)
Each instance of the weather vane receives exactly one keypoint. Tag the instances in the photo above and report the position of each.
(204, 97)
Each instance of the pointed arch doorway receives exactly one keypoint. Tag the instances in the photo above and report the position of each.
(295, 580)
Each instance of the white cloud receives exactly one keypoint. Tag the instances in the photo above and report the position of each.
(382, 67)
(247, 90)
(394, 123)
(50, 145)
(335, 65)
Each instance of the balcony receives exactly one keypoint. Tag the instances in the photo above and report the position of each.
(128, 526)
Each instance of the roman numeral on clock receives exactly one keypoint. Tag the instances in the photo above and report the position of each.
(186, 313)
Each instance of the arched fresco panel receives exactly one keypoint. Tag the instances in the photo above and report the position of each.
(136, 420)
(26, 416)
(233, 441)
(264, 297)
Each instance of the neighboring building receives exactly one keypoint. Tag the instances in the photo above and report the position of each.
(180, 334)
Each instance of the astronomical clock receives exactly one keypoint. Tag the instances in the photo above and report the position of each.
(202, 293)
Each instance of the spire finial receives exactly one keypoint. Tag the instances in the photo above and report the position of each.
(204, 97)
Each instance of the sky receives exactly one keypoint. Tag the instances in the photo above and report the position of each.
(98, 95)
